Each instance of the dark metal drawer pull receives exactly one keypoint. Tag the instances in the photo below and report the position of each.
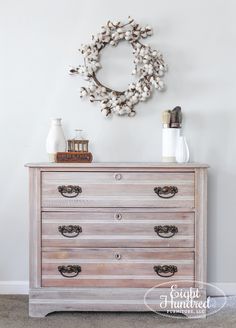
(166, 191)
(165, 271)
(70, 229)
(168, 231)
(69, 271)
(69, 191)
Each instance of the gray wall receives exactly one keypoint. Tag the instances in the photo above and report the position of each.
(39, 40)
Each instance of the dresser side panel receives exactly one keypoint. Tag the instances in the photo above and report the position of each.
(35, 227)
(201, 227)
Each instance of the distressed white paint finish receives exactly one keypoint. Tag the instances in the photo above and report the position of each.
(100, 268)
(96, 248)
(112, 189)
(117, 228)
(90, 299)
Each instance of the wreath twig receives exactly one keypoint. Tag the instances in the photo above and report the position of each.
(149, 66)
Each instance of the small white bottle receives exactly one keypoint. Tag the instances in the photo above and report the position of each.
(56, 141)
(182, 150)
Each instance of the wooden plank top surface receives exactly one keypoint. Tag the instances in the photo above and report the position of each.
(154, 165)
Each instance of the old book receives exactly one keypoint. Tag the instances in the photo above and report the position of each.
(74, 157)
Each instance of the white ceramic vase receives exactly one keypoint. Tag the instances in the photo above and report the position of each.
(169, 140)
(56, 141)
(182, 150)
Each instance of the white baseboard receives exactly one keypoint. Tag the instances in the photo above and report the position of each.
(229, 288)
(22, 287)
(14, 287)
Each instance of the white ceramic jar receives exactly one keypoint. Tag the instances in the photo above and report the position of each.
(169, 140)
(56, 141)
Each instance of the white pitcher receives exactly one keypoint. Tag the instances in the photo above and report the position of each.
(56, 141)
(182, 150)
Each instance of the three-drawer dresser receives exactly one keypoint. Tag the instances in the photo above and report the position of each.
(103, 235)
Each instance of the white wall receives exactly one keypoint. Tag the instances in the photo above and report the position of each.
(38, 42)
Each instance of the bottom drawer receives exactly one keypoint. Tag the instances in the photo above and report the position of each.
(117, 267)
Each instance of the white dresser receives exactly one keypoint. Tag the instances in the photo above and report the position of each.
(103, 234)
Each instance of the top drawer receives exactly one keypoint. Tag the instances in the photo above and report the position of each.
(117, 189)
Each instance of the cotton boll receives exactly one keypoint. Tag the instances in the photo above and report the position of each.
(103, 29)
(103, 104)
(83, 93)
(122, 98)
(107, 39)
(122, 111)
(142, 52)
(105, 112)
(132, 86)
(117, 108)
(154, 53)
(116, 36)
(109, 24)
(127, 110)
(92, 88)
(161, 84)
(130, 19)
(150, 71)
(115, 102)
(132, 113)
(100, 37)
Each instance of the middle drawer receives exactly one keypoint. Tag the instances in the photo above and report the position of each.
(117, 229)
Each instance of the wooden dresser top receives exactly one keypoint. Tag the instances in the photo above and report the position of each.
(154, 165)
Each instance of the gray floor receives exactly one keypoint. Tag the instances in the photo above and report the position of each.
(14, 313)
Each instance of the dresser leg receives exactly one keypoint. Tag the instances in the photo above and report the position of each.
(38, 311)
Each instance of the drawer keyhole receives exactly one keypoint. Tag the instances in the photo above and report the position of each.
(118, 216)
(118, 256)
(118, 176)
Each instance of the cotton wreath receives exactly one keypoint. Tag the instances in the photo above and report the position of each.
(149, 67)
